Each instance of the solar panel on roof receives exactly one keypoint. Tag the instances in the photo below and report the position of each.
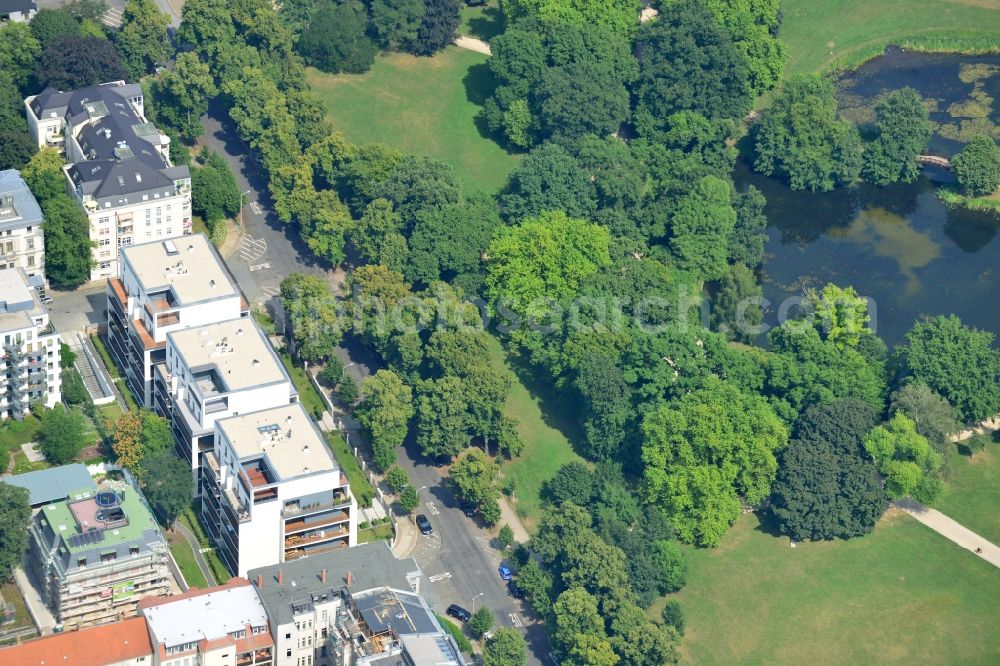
(268, 429)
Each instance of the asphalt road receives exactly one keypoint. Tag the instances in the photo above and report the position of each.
(460, 559)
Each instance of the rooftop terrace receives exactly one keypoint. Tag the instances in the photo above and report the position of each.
(188, 269)
(228, 356)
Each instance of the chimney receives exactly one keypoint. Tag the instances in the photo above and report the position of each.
(281, 576)
(322, 575)
(350, 579)
(260, 582)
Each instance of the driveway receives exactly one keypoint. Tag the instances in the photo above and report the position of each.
(78, 310)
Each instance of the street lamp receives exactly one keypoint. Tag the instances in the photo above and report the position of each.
(474, 601)
(242, 194)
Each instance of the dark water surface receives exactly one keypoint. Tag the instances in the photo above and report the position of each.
(898, 245)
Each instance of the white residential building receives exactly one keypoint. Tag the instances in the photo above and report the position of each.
(272, 491)
(17, 11)
(29, 367)
(165, 286)
(22, 242)
(118, 166)
(213, 372)
(218, 626)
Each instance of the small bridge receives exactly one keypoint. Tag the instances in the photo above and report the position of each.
(935, 160)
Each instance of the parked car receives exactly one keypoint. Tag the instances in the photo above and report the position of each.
(514, 590)
(469, 510)
(46, 300)
(424, 524)
(459, 613)
(505, 572)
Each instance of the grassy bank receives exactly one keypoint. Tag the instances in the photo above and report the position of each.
(424, 106)
(841, 34)
(360, 487)
(219, 570)
(184, 557)
(545, 425)
(952, 197)
(902, 595)
(308, 396)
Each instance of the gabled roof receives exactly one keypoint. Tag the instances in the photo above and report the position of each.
(10, 6)
(95, 646)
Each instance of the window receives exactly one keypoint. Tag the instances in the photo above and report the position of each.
(105, 264)
(31, 241)
(104, 241)
(103, 220)
(81, 562)
(31, 260)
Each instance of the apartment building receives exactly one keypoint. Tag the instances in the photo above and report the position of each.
(124, 643)
(22, 241)
(29, 366)
(272, 491)
(118, 166)
(358, 606)
(18, 11)
(213, 372)
(165, 286)
(218, 626)
(96, 554)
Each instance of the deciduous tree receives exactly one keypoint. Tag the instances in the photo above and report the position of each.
(396, 22)
(909, 464)
(977, 167)
(801, 139)
(442, 417)
(700, 230)
(438, 27)
(473, 476)
(71, 62)
(142, 38)
(182, 92)
(385, 414)
(15, 524)
(51, 24)
(506, 647)
(903, 129)
(68, 256)
(839, 314)
(63, 431)
(336, 38)
(167, 483)
(549, 179)
(934, 417)
(958, 363)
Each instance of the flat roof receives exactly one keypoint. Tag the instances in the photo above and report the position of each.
(386, 609)
(114, 643)
(206, 615)
(187, 266)
(236, 350)
(285, 435)
(51, 485)
(64, 519)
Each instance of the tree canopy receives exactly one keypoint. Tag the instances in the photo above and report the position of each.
(703, 455)
(385, 414)
(909, 464)
(336, 38)
(15, 524)
(903, 129)
(801, 139)
(977, 166)
(70, 62)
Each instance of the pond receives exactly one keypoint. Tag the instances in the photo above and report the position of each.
(898, 245)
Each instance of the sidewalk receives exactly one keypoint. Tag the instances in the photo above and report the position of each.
(44, 621)
(951, 530)
(232, 242)
(509, 516)
(407, 537)
(195, 547)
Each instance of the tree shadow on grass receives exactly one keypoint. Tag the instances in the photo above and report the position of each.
(487, 26)
(768, 524)
(479, 83)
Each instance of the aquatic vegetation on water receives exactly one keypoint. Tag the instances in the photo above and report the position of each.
(972, 72)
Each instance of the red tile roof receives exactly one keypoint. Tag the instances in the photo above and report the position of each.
(94, 646)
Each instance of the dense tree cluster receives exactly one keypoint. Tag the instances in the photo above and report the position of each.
(977, 167)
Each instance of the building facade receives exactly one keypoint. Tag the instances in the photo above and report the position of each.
(272, 491)
(218, 626)
(29, 366)
(96, 554)
(358, 607)
(165, 286)
(213, 372)
(22, 241)
(18, 11)
(118, 166)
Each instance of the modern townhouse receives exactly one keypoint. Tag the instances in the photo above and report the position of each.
(29, 365)
(95, 554)
(22, 241)
(218, 626)
(165, 286)
(118, 166)
(272, 491)
(212, 372)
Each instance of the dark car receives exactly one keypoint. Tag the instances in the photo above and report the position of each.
(441, 461)
(469, 510)
(424, 524)
(459, 613)
(514, 590)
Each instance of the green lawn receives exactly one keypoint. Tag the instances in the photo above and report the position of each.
(381, 532)
(184, 557)
(483, 22)
(543, 426)
(308, 396)
(12, 595)
(424, 106)
(902, 595)
(219, 570)
(819, 34)
(972, 494)
(360, 487)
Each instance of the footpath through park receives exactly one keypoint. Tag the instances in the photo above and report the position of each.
(951, 530)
